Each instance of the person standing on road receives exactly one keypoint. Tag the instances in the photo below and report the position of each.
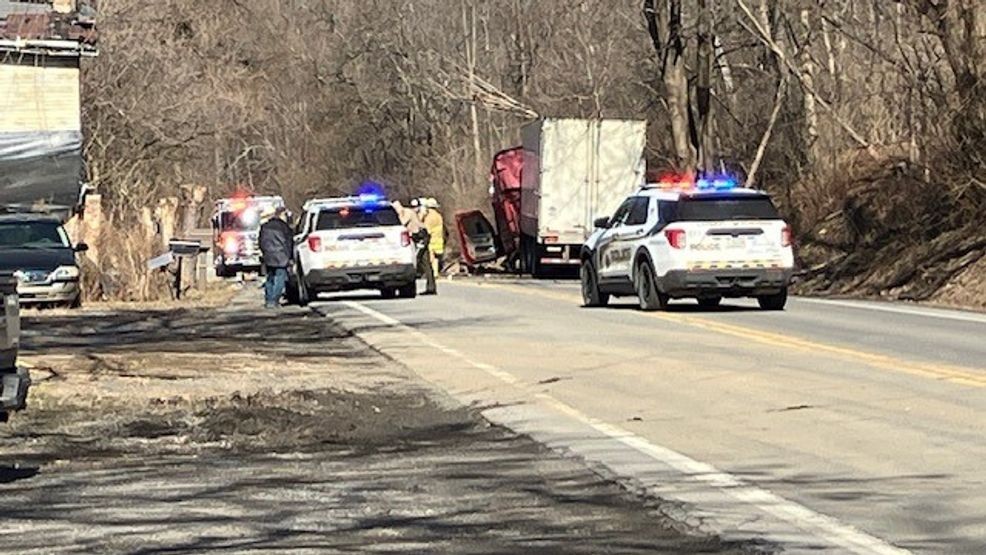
(277, 249)
(409, 218)
(435, 224)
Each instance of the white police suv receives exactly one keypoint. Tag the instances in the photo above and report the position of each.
(349, 243)
(704, 239)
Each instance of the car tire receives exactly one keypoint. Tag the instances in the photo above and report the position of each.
(291, 292)
(591, 296)
(304, 295)
(529, 256)
(76, 303)
(777, 301)
(388, 293)
(647, 293)
(224, 272)
(408, 291)
(709, 302)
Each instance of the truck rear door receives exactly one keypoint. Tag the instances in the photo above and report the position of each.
(565, 171)
(617, 167)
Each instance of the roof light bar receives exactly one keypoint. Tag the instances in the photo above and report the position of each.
(689, 183)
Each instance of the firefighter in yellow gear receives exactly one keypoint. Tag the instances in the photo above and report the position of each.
(410, 220)
(435, 224)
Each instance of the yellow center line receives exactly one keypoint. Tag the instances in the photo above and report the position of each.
(954, 374)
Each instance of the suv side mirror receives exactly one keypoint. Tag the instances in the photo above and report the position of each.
(81, 247)
(601, 223)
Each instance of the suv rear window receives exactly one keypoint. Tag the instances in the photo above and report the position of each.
(726, 208)
(356, 216)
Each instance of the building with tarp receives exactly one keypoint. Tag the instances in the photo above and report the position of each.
(41, 45)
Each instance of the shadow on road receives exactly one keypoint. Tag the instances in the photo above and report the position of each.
(290, 331)
(312, 467)
(679, 307)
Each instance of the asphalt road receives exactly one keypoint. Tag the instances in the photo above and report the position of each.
(831, 427)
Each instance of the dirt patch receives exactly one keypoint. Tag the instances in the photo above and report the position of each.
(235, 429)
(968, 289)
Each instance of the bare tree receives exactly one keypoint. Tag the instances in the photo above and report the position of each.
(665, 26)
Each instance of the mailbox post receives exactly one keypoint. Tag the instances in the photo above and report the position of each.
(181, 249)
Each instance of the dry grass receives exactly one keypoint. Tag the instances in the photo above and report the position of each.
(116, 267)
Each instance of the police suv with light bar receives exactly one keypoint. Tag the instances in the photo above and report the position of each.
(681, 238)
(349, 243)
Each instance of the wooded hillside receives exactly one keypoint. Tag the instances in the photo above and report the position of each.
(867, 119)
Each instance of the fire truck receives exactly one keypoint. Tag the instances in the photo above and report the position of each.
(236, 232)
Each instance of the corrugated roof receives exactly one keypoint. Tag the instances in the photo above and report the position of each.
(8, 7)
(73, 20)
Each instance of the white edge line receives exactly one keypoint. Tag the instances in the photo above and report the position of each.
(944, 314)
(825, 527)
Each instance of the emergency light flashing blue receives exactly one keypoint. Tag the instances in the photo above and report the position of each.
(716, 183)
(371, 193)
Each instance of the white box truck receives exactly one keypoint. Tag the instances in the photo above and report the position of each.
(574, 171)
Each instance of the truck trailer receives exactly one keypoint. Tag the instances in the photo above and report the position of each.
(573, 171)
(546, 193)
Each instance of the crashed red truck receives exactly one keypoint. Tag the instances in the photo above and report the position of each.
(547, 193)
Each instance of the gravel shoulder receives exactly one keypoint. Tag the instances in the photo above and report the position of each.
(181, 430)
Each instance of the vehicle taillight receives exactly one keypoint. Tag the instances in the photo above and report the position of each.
(676, 238)
(314, 243)
(786, 236)
(405, 238)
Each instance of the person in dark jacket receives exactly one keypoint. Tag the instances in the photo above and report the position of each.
(277, 248)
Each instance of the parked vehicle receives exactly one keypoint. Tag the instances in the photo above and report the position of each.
(14, 381)
(236, 233)
(352, 243)
(545, 193)
(704, 239)
(37, 250)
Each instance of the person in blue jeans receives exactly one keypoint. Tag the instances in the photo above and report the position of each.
(277, 249)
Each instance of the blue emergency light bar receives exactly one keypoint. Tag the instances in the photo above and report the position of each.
(371, 193)
(721, 183)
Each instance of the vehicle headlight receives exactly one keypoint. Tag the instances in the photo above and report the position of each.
(65, 273)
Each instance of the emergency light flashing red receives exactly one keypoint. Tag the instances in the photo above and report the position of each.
(230, 243)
